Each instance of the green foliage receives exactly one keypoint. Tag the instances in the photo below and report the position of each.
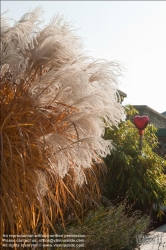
(111, 228)
(139, 174)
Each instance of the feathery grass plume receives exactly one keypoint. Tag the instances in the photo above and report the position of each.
(55, 102)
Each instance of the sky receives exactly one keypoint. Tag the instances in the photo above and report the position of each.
(130, 32)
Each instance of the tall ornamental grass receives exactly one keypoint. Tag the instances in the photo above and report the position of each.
(55, 102)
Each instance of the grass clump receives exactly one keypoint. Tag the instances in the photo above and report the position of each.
(111, 227)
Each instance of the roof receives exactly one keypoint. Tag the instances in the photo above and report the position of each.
(143, 107)
(122, 93)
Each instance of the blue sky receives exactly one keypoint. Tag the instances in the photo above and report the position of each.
(131, 32)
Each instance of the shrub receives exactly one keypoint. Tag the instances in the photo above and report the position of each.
(139, 174)
(111, 227)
